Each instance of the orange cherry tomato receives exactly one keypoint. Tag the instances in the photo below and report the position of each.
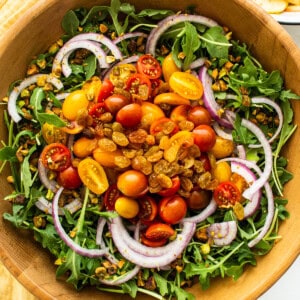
(165, 125)
(180, 113)
(199, 115)
(204, 137)
(139, 86)
(93, 175)
(159, 231)
(169, 67)
(129, 115)
(132, 183)
(171, 98)
(172, 190)
(150, 113)
(172, 209)
(149, 66)
(227, 194)
(152, 243)
(106, 158)
(148, 209)
(187, 85)
(84, 146)
(56, 157)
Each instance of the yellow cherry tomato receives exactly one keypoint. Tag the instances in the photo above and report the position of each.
(127, 207)
(84, 146)
(186, 85)
(222, 171)
(171, 98)
(150, 113)
(222, 148)
(106, 158)
(53, 134)
(92, 88)
(120, 74)
(169, 67)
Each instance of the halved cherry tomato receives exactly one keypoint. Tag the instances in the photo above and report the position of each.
(204, 137)
(159, 231)
(180, 113)
(92, 87)
(53, 134)
(173, 189)
(150, 113)
(93, 175)
(227, 194)
(172, 209)
(148, 209)
(110, 197)
(115, 102)
(149, 66)
(153, 244)
(205, 161)
(169, 67)
(106, 90)
(186, 85)
(163, 124)
(139, 86)
(69, 178)
(56, 157)
(129, 115)
(132, 183)
(73, 127)
(120, 74)
(171, 99)
(95, 111)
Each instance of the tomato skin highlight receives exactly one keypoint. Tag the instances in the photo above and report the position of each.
(172, 209)
(227, 194)
(159, 231)
(69, 178)
(56, 157)
(149, 66)
(204, 137)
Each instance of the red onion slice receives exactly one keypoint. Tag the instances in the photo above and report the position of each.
(91, 253)
(222, 233)
(204, 214)
(51, 185)
(12, 99)
(225, 133)
(129, 35)
(166, 23)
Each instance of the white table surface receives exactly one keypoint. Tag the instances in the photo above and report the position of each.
(288, 286)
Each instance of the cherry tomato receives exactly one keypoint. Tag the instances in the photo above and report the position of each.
(222, 171)
(92, 87)
(159, 231)
(127, 207)
(56, 157)
(106, 158)
(106, 90)
(69, 178)
(139, 86)
(205, 161)
(132, 183)
(222, 147)
(95, 111)
(148, 209)
(204, 137)
(129, 115)
(186, 85)
(110, 197)
(149, 66)
(53, 134)
(164, 125)
(199, 115)
(150, 113)
(84, 146)
(93, 175)
(73, 127)
(180, 113)
(198, 199)
(171, 99)
(120, 74)
(152, 243)
(173, 189)
(172, 209)
(115, 102)
(169, 67)
(227, 194)
(74, 103)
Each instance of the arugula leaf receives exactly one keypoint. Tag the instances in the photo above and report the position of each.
(70, 23)
(51, 119)
(155, 14)
(8, 154)
(26, 176)
(89, 66)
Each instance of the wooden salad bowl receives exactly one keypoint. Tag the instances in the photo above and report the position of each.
(38, 26)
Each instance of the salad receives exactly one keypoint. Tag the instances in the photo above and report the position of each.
(145, 151)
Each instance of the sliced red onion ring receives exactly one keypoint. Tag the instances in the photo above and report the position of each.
(12, 99)
(222, 233)
(205, 213)
(163, 25)
(209, 101)
(241, 151)
(136, 257)
(225, 133)
(199, 62)
(129, 35)
(48, 183)
(91, 253)
(60, 61)
(99, 233)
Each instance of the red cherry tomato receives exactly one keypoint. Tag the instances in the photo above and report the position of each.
(204, 137)
(159, 231)
(153, 244)
(172, 209)
(148, 209)
(173, 189)
(199, 115)
(227, 194)
(199, 199)
(132, 183)
(110, 197)
(106, 90)
(95, 111)
(115, 102)
(164, 125)
(139, 86)
(149, 66)
(56, 157)
(69, 178)
(129, 115)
